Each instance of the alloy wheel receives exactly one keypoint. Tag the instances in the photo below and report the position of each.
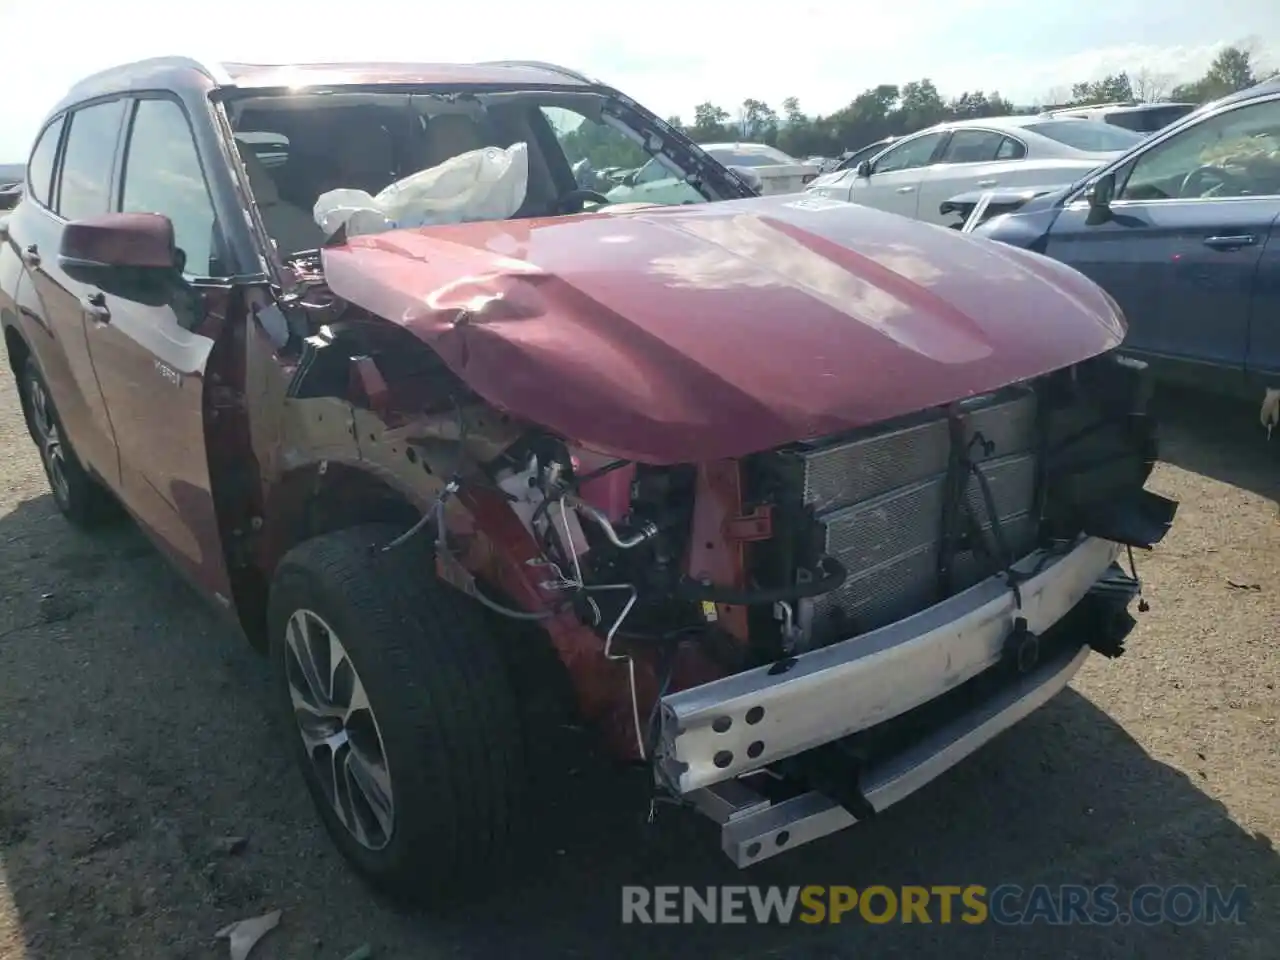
(339, 730)
(49, 439)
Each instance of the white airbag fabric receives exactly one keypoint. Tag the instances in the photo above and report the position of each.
(484, 184)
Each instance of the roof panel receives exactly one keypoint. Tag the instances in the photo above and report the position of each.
(324, 74)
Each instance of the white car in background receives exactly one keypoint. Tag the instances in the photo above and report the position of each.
(918, 173)
(777, 172)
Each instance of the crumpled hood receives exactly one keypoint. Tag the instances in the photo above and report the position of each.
(694, 332)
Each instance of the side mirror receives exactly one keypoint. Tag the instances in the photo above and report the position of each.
(129, 255)
(1100, 193)
(630, 179)
(862, 170)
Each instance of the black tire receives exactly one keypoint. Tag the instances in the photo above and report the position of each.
(79, 496)
(435, 679)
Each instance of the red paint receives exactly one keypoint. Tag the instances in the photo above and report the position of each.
(713, 556)
(700, 332)
(143, 240)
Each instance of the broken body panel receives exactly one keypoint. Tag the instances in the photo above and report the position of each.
(687, 337)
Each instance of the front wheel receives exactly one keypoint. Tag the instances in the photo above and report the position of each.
(400, 711)
(78, 495)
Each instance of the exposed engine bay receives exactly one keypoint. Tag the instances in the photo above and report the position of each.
(754, 560)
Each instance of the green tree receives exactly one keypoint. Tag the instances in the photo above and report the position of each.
(921, 105)
(758, 121)
(708, 122)
(1232, 69)
(1111, 88)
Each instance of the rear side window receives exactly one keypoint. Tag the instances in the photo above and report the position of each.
(1011, 149)
(162, 174)
(85, 187)
(40, 166)
(972, 146)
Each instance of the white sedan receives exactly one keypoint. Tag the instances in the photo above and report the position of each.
(778, 173)
(918, 173)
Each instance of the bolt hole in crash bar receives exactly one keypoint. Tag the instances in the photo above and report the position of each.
(909, 701)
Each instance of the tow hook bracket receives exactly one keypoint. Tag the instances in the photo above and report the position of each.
(1022, 647)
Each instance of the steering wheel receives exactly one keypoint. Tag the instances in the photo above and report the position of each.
(1192, 181)
(574, 200)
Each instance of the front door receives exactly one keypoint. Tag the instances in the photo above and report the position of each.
(80, 186)
(151, 360)
(1181, 247)
(894, 183)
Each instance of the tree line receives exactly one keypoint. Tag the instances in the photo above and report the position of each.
(890, 110)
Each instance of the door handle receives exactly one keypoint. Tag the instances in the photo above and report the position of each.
(1231, 243)
(905, 189)
(987, 183)
(31, 256)
(95, 305)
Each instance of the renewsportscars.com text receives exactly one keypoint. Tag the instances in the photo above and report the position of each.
(1006, 904)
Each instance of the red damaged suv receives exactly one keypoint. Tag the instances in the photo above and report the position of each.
(803, 501)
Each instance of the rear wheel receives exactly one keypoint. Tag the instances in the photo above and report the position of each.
(400, 711)
(78, 495)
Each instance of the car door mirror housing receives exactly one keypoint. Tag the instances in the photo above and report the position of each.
(863, 169)
(130, 255)
(1099, 194)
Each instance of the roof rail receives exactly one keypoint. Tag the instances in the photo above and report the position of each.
(540, 65)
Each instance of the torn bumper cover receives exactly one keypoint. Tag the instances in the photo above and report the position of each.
(712, 734)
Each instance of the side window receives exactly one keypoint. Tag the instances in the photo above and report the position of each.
(972, 146)
(40, 166)
(591, 146)
(1235, 154)
(162, 174)
(85, 185)
(1011, 149)
(907, 156)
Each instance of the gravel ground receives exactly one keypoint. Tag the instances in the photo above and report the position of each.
(136, 735)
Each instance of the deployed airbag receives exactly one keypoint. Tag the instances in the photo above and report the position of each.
(484, 184)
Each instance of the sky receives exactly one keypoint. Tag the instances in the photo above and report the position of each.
(668, 54)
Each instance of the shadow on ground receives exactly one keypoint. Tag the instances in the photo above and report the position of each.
(136, 735)
(1218, 437)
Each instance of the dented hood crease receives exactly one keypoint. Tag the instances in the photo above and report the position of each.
(687, 333)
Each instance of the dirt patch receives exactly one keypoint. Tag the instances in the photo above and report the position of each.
(136, 737)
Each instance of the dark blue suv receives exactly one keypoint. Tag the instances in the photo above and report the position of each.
(1184, 232)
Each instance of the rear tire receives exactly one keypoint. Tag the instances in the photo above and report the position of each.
(80, 498)
(436, 809)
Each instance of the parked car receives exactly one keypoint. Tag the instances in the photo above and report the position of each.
(978, 206)
(787, 491)
(11, 175)
(850, 159)
(1138, 117)
(1183, 232)
(778, 172)
(915, 175)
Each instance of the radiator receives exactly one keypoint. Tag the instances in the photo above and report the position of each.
(878, 498)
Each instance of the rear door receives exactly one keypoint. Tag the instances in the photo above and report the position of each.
(972, 160)
(151, 360)
(894, 183)
(70, 176)
(1182, 247)
(1263, 359)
